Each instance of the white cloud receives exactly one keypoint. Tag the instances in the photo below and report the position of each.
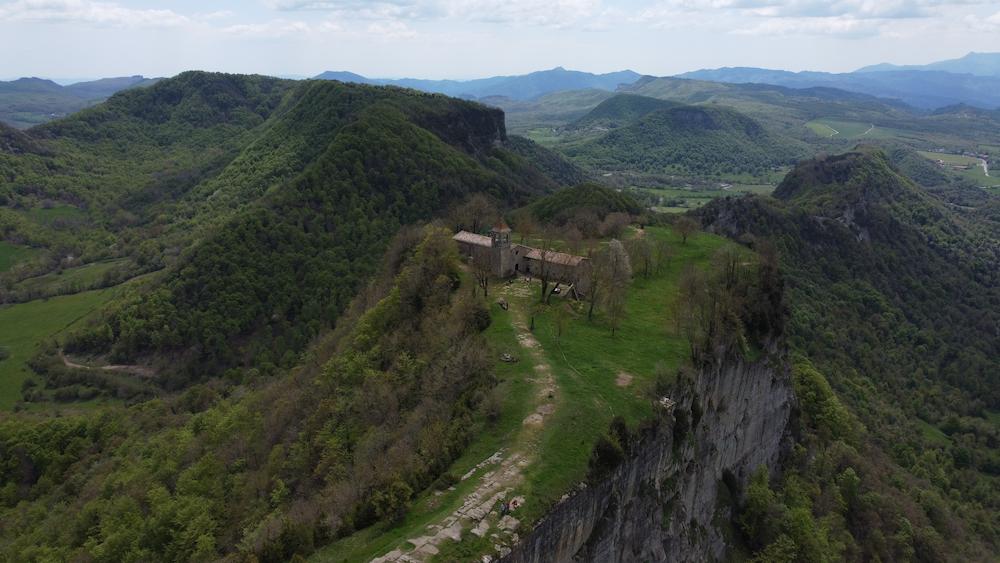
(551, 13)
(268, 30)
(365, 9)
(858, 9)
(554, 13)
(839, 26)
(85, 11)
(989, 24)
(391, 30)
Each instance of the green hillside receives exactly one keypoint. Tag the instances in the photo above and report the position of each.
(621, 110)
(583, 198)
(894, 299)
(691, 140)
(276, 194)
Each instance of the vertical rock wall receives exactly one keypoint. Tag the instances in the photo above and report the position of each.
(661, 503)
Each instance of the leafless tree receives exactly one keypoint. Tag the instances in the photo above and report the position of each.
(574, 239)
(475, 213)
(640, 252)
(596, 276)
(481, 271)
(685, 227)
(618, 274)
(663, 253)
(525, 225)
(545, 253)
(614, 224)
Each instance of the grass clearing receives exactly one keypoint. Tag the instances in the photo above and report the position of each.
(25, 325)
(48, 215)
(994, 417)
(932, 433)
(12, 254)
(843, 129)
(821, 129)
(680, 200)
(968, 167)
(72, 279)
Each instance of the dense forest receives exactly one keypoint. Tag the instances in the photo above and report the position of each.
(375, 413)
(285, 198)
(894, 301)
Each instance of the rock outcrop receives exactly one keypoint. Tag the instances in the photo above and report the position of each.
(662, 503)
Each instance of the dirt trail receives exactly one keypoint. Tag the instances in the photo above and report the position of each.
(137, 370)
(499, 475)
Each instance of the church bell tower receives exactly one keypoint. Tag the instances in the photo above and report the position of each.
(500, 258)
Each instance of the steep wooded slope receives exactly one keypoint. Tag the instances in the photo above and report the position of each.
(895, 298)
(276, 201)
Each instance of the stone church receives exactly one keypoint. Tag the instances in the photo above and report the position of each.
(507, 259)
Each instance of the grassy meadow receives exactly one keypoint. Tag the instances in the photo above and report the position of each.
(71, 279)
(681, 200)
(11, 254)
(973, 168)
(842, 129)
(26, 325)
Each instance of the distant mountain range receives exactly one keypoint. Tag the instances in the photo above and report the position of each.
(972, 80)
(522, 87)
(979, 64)
(30, 101)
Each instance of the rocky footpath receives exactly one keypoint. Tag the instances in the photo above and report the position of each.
(662, 503)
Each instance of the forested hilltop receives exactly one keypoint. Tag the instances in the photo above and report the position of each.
(262, 205)
(895, 301)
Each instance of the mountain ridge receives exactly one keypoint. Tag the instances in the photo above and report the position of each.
(519, 87)
(925, 89)
(979, 64)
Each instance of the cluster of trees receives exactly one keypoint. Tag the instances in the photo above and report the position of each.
(379, 409)
(733, 306)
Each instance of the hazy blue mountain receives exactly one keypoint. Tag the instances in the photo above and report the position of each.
(520, 87)
(105, 87)
(928, 89)
(979, 64)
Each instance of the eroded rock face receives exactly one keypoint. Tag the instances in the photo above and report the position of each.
(661, 503)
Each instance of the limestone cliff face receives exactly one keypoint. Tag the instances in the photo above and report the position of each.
(472, 127)
(661, 503)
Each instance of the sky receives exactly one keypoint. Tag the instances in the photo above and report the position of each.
(461, 39)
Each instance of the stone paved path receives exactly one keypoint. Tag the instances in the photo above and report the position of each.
(498, 476)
